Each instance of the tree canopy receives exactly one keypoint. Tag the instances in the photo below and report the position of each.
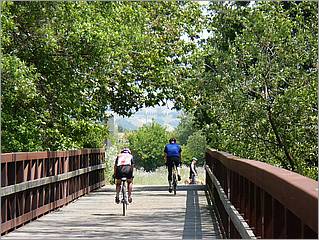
(250, 86)
(253, 85)
(78, 59)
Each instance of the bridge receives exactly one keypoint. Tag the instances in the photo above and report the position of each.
(63, 195)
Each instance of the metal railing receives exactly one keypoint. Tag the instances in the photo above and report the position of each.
(276, 203)
(35, 183)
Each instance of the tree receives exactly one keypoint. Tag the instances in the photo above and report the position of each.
(255, 85)
(86, 57)
(185, 128)
(147, 146)
(195, 147)
(19, 115)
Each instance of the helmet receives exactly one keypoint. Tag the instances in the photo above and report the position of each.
(126, 150)
(194, 159)
(172, 140)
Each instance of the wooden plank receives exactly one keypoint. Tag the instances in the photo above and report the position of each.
(16, 222)
(154, 214)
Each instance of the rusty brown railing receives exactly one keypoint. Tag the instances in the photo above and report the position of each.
(35, 183)
(276, 203)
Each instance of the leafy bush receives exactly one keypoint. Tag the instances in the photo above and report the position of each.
(195, 147)
(147, 145)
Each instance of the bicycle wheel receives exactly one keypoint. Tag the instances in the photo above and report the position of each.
(124, 199)
(174, 184)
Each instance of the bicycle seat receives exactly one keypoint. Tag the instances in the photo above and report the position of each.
(123, 178)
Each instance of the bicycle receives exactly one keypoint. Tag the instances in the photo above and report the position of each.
(124, 195)
(174, 182)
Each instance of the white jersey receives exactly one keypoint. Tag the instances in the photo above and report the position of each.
(124, 159)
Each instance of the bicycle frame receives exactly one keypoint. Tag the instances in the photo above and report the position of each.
(124, 195)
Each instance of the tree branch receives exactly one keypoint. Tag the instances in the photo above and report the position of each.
(279, 139)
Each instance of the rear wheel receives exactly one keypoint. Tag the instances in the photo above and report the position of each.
(124, 208)
(174, 184)
(124, 199)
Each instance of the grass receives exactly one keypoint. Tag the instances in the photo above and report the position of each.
(141, 177)
(159, 176)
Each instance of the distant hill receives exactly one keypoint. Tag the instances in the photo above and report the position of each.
(125, 124)
(162, 115)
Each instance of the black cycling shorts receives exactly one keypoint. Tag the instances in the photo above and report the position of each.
(171, 161)
(124, 171)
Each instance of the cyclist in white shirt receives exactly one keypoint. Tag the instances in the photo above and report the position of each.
(123, 167)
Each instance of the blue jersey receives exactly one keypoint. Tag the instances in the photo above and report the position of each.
(173, 150)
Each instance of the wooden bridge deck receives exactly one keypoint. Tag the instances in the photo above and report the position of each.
(154, 214)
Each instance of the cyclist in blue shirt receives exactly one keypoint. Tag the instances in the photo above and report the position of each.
(172, 153)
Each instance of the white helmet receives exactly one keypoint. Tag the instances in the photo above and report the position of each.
(126, 150)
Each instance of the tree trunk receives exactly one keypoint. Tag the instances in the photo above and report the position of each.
(279, 140)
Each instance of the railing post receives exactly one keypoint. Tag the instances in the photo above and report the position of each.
(279, 221)
(294, 225)
(259, 212)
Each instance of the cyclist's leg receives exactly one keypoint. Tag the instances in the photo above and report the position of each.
(192, 179)
(130, 189)
(195, 179)
(170, 165)
(118, 188)
(130, 184)
(118, 184)
(177, 163)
